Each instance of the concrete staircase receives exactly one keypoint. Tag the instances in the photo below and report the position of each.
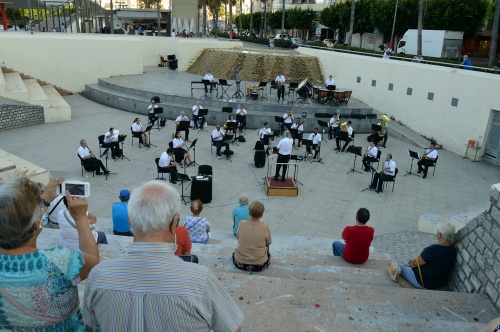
(20, 87)
(307, 289)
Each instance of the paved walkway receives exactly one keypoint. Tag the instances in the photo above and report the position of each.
(327, 201)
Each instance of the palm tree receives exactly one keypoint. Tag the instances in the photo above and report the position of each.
(420, 26)
(351, 23)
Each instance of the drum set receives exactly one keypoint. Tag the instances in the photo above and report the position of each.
(253, 92)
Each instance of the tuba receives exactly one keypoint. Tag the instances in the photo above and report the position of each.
(343, 127)
(383, 123)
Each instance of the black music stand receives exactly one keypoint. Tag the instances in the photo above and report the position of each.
(206, 83)
(182, 178)
(267, 141)
(376, 128)
(295, 135)
(413, 155)
(356, 150)
(121, 140)
(323, 125)
(279, 120)
(107, 154)
(291, 92)
(342, 136)
(262, 89)
(307, 143)
(234, 127)
(224, 87)
(203, 113)
(193, 146)
(148, 130)
(183, 125)
(158, 111)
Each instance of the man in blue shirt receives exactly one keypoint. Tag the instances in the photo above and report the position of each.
(120, 215)
(240, 212)
(467, 63)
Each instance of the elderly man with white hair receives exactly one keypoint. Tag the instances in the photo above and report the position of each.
(435, 262)
(240, 212)
(150, 287)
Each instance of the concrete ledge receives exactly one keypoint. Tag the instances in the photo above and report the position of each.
(15, 88)
(2, 83)
(59, 109)
(12, 166)
(37, 94)
(427, 223)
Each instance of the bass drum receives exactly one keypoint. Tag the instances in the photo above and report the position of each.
(304, 89)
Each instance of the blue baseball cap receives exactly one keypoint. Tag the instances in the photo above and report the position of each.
(124, 195)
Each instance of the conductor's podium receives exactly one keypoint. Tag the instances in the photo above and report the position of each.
(281, 188)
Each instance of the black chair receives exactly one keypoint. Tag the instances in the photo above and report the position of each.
(205, 170)
(393, 179)
(88, 168)
(379, 153)
(102, 145)
(434, 165)
(133, 136)
(160, 170)
(227, 109)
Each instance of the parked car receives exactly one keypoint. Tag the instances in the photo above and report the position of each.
(328, 41)
(281, 36)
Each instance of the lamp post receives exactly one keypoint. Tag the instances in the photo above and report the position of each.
(394, 23)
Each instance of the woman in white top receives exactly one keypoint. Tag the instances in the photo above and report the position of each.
(138, 131)
(179, 149)
(151, 112)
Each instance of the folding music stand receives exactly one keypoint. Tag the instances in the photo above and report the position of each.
(413, 155)
(342, 136)
(267, 141)
(356, 150)
(233, 126)
(295, 134)
(291, 92)
(262, 88)
(158, 111)
(238, 119)
(203, 113)
(183, 125)
(193, 146)
(307, 142)
(224, 87)
(323, 125)
(206, 83)
(148, 130)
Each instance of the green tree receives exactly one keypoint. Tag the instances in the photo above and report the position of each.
(147, 3)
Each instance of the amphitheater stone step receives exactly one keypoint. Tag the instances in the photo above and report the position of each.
(15, 87)
(36, 93)
(59, 109)
(2, 84)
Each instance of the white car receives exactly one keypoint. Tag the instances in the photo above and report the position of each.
(296, 41)
(281, 36)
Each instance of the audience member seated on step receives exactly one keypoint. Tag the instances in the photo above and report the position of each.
(89, 159)
(179, 148)
(151, 112)
(52, 203)
(196, 299)
(120, 215)
(182, 240)
(492, 326)
(41, 281)
(68, 231)
(240, 212)
(357, 240)
(182, 118)
(167, 163)
(138, 131)
(254, 239)
(198, 227)
(435, 261)
(196, 115)
(112, 140)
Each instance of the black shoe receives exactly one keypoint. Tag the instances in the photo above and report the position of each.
(367, 169)
(106, 172)
(98, 173)
(219, 154)
(298, 145)
(337, 149)
(283, 179)
(419, 171)
(425, 175)
(383, 146)
(378, 191)
(173, 181)
(275, 178)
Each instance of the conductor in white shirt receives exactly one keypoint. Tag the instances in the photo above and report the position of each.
(209, 77)
(284, 149)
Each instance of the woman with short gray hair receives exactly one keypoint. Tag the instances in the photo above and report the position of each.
(430, 270)
(38, 287)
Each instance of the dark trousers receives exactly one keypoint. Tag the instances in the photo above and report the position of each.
(282, 159)
(220, 144)
(298, 137)
(187, 133)
(94, 162)
(172, 171)
(367, 161)
(423, 165)
(139, 136)
(285, 125)
(243, 123)
(378, 180)
(123, 233)
(345, 144)
(332, 132)
(152, 118)
(115, 148)
(212, 85)
(314, 146)
(281, 92)
(195, 120)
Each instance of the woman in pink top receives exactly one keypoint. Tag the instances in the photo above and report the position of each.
(254, 239)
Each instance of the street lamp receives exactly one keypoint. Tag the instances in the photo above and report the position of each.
(394, 23)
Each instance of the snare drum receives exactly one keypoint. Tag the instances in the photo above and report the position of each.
(254, 95)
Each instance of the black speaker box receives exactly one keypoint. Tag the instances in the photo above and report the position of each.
(201, 189)
(259, 158)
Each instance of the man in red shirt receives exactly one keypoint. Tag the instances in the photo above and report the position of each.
(357, 240)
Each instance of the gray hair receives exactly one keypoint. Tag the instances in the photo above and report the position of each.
(287, 133)
(152, 207)
(447, 230)
(243, 199)
(19, 210)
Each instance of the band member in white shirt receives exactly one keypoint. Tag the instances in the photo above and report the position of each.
(280, 81)
(287, 120)
(112, 140)
(263, 132)
(218, 139)
(151, 112)
(178, 120)
(316, 142)
(167, 163)
(427, 160)
(387, 174)
(196, 116)
(349, 137)
(138, 131)
(333, 125)
(284, 149)
(89, 159)
(299, 125)
(370, 156)
(180, 148)
(241, 116)
(330, 82)
(209, 77)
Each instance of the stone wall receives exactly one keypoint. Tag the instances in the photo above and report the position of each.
(477, 269)
(14, 114)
